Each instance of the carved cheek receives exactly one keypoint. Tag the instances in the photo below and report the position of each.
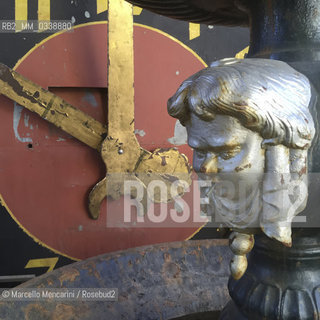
(236, 163)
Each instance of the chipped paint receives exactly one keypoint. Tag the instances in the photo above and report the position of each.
(69, 276)
(90, 98)
(180, 135)
(141, 133)
(16, 120)
(26, 120)
(50, 107)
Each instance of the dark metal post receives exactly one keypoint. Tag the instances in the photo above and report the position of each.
(281, 282)
(284, 283)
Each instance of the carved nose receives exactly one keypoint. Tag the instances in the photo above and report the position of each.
(210, 165)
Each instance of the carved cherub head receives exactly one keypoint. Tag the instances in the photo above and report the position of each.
(250, 118)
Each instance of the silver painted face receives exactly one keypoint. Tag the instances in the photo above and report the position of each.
(235, 148)
(229, 155)
(267, 150)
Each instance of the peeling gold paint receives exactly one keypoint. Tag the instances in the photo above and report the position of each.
(51, 108)
(149, 167)
(121, 68)
(176, 167)
(121, 152)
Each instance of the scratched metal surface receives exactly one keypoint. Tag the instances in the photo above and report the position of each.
(162, 281)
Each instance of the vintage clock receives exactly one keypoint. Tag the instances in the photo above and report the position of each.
(47, 174)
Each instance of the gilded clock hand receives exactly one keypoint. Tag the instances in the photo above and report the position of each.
(51, 108)
(121, 152)
(88, 130)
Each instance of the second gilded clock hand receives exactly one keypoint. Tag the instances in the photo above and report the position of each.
(51, 108)
(121, 152)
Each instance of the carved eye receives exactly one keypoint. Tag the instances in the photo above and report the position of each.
(226, 155)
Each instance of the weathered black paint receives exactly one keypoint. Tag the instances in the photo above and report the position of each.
(283, 283)
(286, 30)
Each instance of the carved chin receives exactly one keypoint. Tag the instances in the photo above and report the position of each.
(240, 213)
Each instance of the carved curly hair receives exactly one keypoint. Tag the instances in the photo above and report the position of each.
(266, 96)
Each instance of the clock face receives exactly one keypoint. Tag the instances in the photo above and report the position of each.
(46, 175)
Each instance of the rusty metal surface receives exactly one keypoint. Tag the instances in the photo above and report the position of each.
(155, 282)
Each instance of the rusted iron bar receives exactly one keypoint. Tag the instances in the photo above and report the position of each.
(162, 281)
